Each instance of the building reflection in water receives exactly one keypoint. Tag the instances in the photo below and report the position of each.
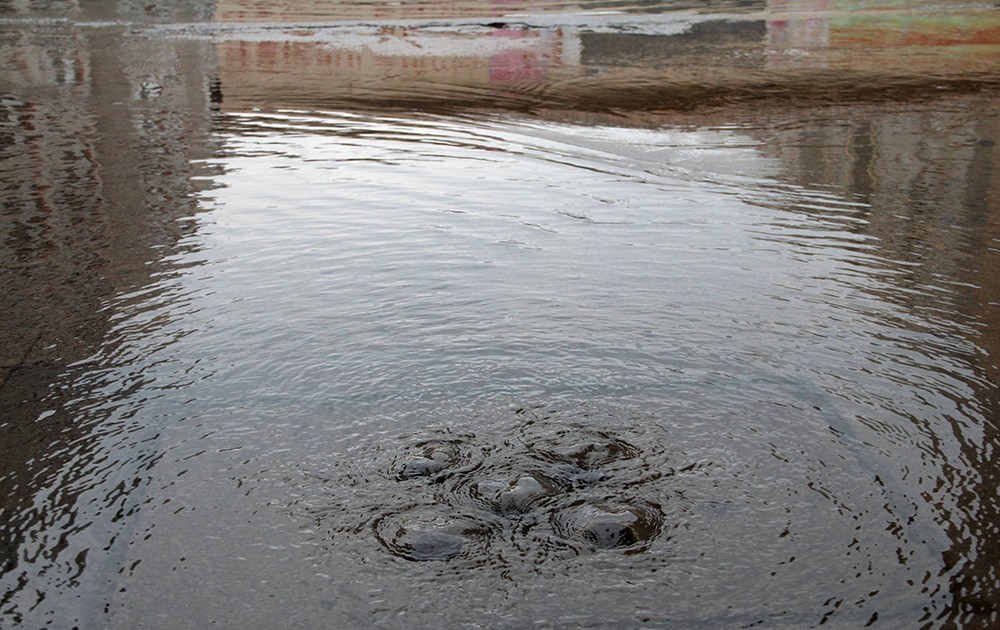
(96, 139)
(926, 180)
(535, 60)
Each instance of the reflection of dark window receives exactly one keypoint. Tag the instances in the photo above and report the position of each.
(713, 37)
(215, 90)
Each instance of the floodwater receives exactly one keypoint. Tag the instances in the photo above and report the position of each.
(500, 314)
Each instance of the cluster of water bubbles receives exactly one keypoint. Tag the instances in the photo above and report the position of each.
(542, 490)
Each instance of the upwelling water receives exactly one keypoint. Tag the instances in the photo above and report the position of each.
(542, 325)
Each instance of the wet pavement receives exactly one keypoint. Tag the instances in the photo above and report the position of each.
(499, 314)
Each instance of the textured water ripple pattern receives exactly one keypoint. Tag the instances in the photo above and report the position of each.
(547, 490)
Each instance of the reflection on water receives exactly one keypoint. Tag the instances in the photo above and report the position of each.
(476, 316)
(616, 60)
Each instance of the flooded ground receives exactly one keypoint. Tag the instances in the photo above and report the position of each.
(499, 314)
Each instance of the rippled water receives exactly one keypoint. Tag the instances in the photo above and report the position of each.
(499, 315)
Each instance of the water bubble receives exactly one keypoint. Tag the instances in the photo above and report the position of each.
(428, 533)
(582, 448)
(519, 496)
(419, 467)
(429, 544)
(632, 525)
(430, 457)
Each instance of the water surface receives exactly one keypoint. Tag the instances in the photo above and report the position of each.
(521, 314)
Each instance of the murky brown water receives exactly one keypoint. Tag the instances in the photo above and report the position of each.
(499, 314)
